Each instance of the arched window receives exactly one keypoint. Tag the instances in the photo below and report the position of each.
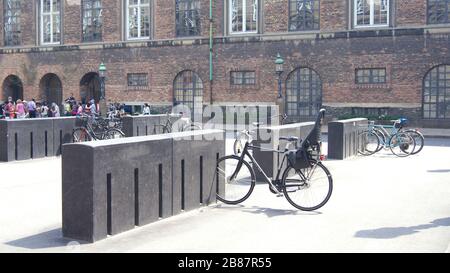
(436, 93)
(188, 91)
(12, 87)
(90, 87)
(51, 89)
(303, 93)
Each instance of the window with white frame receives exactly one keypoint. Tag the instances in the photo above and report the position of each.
(50, 21)
(243, 16)
(138, 19)
(371, 13)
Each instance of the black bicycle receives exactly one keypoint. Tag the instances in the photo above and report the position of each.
(306, 183)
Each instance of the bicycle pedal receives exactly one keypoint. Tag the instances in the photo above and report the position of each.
(280, 195)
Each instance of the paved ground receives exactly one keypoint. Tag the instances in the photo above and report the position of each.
(380, 204)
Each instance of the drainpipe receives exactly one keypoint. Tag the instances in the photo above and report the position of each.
(210, 52)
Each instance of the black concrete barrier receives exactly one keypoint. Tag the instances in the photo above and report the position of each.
(23, 139)
(112, 186)
(134, 126)
(343, 137)
(269, 138)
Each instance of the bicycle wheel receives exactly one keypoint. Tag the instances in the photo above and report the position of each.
(402, 144)
(192, 127)
(81, 135)
(419, 140)
(308, 189)
(113, 133)
(370, 143)
(382, 137)
(237, 190)
(162, 129)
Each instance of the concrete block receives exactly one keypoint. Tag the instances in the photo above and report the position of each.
(62, 132)
(344, 139)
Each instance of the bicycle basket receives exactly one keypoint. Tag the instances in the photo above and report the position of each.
(299, 159)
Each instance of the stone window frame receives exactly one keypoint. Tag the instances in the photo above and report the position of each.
(194, 14)
(126, 21)
(372, 86)
(229, 13)
(389, 6)
(316, 11)
(41, 14)
(446, 3)
(14, 36)
(88, 38)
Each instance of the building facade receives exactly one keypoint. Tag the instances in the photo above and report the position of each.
(357, 57)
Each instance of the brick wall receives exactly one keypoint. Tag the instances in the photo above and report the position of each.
(334, 15)
(411, 13)
(276, 15)
(72, 21)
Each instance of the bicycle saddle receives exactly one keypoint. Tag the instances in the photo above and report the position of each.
(290, 139)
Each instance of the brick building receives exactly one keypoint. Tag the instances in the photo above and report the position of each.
(351, 56)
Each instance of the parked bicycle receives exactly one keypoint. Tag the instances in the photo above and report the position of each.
(183, 125)
(247, 136)
(401, 142)
(306, 183)
(95, 128)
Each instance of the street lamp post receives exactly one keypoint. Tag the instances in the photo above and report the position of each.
(102, 75)
(279, 62)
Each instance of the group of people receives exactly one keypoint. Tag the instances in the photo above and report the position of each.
(21, 109)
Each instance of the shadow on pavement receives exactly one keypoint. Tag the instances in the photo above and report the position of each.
(439, 171)
(268, 211)
(48, 239)
(393, 232)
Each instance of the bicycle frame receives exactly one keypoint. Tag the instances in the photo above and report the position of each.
(246, 152)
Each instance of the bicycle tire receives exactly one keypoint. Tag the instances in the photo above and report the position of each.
(192, 127)
(113, 133)
(369, 135)
(382, 137)
(81, 134)
(406, 142)
(290, 185)
(244, 186)
(417, 136)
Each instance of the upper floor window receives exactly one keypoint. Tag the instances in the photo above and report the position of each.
(92, 20)
(438, 11)
(138, 19)
(371, 13)
(243, 78)
(187, 14)
(12, 11)
(50, 21)
(243, 16)
(371, 76)
(303, 15)
(137, 79)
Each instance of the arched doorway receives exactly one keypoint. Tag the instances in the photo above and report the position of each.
(51, 89)
(90, 87)
(188, 91)
(12, 87)
(436, 93)
(303, 93)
